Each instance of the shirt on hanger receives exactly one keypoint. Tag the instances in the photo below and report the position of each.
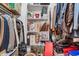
(2, 30)
(5, 41)
(11, 32)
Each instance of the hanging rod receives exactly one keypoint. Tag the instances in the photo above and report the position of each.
(8, 10)
(2, 11)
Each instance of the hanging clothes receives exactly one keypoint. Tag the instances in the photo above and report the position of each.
(58, 8)
(5, 40)
(23, 32)
(69, 16)
(12, 33)
(76, 16)
(76, 20)
(20, 30)
(53, 16)
(62, 12)
(1, 30)
(65, 21)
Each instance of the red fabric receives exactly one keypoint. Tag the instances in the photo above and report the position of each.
(48, 49)
(66, 50)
